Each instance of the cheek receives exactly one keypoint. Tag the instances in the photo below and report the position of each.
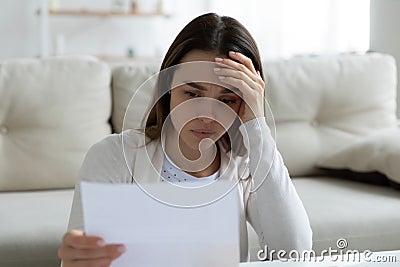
(173, 102)
(221, 129)
(180, 114)
(236, 106)
(225, 115)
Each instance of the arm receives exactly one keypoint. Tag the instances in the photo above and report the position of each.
(274, 209)
(102, 163)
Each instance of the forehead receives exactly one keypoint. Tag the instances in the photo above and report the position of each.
(198, 67)
(199, 55)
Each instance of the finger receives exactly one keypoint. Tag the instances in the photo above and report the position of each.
(246, 61)
(236, 74)
(77, 239)
(109, 251)
(243, 59)
(229, 63)
(87, 263)
(247, 91)
(242, 85)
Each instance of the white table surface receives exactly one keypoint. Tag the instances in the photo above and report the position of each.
(377, 260)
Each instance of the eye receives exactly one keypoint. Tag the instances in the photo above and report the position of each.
(228, 101)
(191, 94)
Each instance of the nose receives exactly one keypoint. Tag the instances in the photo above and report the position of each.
(206, 109)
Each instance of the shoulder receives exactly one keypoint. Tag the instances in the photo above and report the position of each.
(116, 142)
(107, 159)
(108, 143)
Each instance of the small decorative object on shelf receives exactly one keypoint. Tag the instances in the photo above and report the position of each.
(130, 52)
(134, 6)
(120, 6)
(54, 4)
(147, 6)
(160, 8)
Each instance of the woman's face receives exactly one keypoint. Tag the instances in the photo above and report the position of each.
(200, 110)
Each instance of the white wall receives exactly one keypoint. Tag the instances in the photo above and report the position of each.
(385, 33)
(18, 28)
(282, 28)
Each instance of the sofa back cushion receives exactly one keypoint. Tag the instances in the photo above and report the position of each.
(132, 88)
(51, 111)
(320, 104)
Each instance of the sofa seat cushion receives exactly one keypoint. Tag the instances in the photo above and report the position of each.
(367, 216)
(33, 224)
(51, 111)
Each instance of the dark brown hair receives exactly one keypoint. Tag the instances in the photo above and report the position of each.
(209, 32)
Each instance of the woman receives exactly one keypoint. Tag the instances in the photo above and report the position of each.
(270, 202)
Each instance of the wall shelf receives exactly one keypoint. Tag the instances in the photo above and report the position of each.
(84, 12)
(45, 11)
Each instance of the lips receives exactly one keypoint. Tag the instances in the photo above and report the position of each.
(203, 133)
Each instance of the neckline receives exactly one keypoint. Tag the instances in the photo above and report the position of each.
(213, 176)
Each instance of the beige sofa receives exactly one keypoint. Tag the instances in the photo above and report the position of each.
(325, 108)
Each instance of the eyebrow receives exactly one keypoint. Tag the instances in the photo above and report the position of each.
(202, 88)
